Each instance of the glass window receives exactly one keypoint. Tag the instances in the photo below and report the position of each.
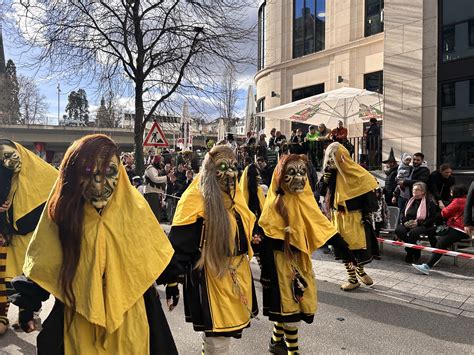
(260, 121)
(308, 91)
(309, 18)
(303, 93)
(457, 29)
(374, 81)
(457, 124)
(373, 17)
(471, 92)
(261, 36)
(471, 33)
(449, 38)
(448, 94)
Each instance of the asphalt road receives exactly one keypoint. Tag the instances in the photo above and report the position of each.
(360, 322)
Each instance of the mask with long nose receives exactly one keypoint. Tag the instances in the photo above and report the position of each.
(226, 173)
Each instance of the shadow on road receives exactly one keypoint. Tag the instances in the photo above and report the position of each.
(432, 323)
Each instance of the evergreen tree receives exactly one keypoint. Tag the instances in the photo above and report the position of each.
(77, 109)
(101, 118)
(9, 88)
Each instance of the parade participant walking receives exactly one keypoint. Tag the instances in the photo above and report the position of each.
(294, 228)
(349, 192)
(254, 196)
(25, 183)
(211, 234)
(98, 250)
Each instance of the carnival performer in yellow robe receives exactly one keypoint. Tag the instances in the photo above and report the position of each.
(25, 183)
(211, 234)
(294, 228)
(349, 192)
(98, 249)
(254, 196)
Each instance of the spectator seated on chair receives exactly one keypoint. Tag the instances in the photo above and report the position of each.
(418, 219)
(454, 213)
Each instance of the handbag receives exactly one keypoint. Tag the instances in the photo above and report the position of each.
(442, 230)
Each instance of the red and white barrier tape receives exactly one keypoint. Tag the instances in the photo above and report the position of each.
(432, 250)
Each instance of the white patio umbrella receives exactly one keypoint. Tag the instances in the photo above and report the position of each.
(350, 105)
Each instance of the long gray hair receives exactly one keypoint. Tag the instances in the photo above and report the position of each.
(216, 246)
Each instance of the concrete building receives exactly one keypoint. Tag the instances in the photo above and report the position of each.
(418, 53)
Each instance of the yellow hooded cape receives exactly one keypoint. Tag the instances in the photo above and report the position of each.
(244, 187)
(123, 252)
(352, 179)
(310, 229)
(30, 189)
(227, 310)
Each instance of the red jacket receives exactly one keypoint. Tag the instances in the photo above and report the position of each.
(454, 213)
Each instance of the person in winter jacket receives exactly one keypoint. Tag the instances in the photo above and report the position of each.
(453, 213)
(440, 185)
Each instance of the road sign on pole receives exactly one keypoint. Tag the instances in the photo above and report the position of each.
(156, 137)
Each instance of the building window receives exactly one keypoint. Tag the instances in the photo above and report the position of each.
(260, 121)
(457, 124)
(308, 91)
(449, 39)
(374, 81)
(471, 92)
(303, 93)
(261, 36)
(309, 19)
(373, 17)
(448, 94)
(471, 33)
(457, 31)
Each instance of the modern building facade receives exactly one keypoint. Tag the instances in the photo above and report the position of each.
(418, 53)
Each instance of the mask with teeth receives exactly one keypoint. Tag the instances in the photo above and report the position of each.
(10, 157)
(295, 176)
(100, 181)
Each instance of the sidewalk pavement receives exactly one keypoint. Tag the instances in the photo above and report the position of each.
(448, 288)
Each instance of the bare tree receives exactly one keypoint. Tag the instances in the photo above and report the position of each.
(33, 105)
(159, 47)
(227, 94)
(109, 113)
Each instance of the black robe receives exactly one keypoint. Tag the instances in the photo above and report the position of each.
(50, 340)
(187, 243)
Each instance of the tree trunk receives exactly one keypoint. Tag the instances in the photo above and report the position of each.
(139, 128)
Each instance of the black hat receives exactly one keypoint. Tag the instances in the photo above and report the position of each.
(391, 157)
(230, 136)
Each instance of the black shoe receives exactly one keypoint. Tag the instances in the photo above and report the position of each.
(409, 258)
(278, 347)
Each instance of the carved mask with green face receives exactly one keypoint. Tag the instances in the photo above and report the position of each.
(226, 172)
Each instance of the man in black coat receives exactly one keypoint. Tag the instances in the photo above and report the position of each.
(419, 173)
(391, 167)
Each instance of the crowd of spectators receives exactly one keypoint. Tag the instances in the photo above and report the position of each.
(165, 179)
(431, 204)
